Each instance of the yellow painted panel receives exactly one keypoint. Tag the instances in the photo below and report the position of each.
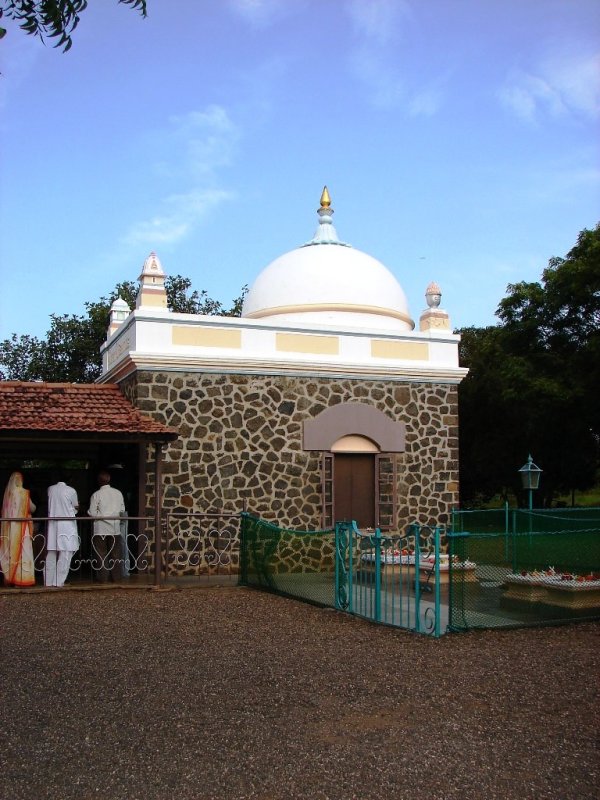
(150, 298)
(308, 343)
(388, 348)
(206, 337)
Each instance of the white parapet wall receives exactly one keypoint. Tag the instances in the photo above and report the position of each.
(155, 339)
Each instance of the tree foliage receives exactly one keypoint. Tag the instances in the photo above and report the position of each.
(52, 19)
(533, 382)
(198, 302)
(71, 350)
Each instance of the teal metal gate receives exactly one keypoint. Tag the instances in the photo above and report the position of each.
(391, 579)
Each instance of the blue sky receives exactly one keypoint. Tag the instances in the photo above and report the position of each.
(459, 140)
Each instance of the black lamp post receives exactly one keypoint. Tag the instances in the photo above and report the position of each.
(530, 478)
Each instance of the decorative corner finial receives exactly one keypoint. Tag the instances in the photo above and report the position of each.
(325, 198)
(433, 295)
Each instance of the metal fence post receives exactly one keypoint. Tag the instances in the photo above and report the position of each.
(451, 575)
(351, 541)
(417, 530)
(336, 549)
(514, 541)
(243, 549)
(343, 576)
(436, 630)
(377, 575)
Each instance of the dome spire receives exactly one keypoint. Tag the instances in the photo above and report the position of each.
(326, 233)
(325, 198)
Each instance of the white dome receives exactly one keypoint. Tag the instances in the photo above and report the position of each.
(330, 283)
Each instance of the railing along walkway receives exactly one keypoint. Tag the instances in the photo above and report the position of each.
(193, 549)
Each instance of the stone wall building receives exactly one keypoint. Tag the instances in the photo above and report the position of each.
(321, 402)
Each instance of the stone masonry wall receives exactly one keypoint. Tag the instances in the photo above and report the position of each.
(241, 443)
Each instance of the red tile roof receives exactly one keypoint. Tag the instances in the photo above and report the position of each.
(96, 409)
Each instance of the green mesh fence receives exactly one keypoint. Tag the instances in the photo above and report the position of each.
(541, 567)
(488, 521)
(297, 564)
(497, 520)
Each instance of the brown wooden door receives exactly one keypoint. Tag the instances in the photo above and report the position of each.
(354, 480)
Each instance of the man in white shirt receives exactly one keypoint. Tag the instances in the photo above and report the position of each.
(106, 539)
(62, 540)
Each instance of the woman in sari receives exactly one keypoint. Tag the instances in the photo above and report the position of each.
(16, 543)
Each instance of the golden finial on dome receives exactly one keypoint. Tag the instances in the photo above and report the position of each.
(325, 199)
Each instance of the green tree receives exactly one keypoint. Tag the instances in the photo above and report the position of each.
(196, 302)
(22, 358)
(533, 382)
(52, 19)
(484, 450)
(71, 351)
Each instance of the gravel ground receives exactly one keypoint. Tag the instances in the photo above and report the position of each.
(231, 693)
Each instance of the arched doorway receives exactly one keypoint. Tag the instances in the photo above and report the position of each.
(358, 472)
(354, 480)
(354, 487)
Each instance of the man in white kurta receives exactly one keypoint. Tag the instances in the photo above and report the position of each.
(62, 541)
(106, 540)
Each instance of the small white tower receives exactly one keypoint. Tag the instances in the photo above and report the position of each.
(119, 311)
(152, 284)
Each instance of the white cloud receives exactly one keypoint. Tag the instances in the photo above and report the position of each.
(557, 86)
(519, 100)
(564, 183)
(577, 80)
(193, 149)
(425, 103)
(387, 89)
(180, 214)
(527, 95)
(199, 143)
(158, 230)
(383, 84)
(378, 20)
(377, 61)
(260, 13)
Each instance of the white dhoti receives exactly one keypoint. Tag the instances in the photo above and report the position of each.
(62, 543)
(58, 564)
